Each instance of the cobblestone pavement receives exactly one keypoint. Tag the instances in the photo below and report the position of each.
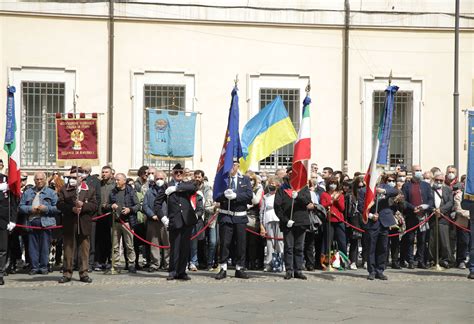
(422, 296)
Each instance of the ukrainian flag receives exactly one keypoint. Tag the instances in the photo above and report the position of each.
(265, 133)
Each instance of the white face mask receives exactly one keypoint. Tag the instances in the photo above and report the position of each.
(160, 182)
(451, 175)
(3, 186)
(391, 183)
(264, 178)
(437, 185)
(402, 179)
(72, 182)
(333, 186)
(419, 175)
(151, 178)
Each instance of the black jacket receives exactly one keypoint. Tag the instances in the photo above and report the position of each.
(239, 204)
(8, 209)
(131, 201)
(447, 203)
(180, 211)
(283, 203)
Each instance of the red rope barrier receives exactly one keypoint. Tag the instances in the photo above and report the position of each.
(205, 227)
(267, 237)
(56, 226)
(454, 223)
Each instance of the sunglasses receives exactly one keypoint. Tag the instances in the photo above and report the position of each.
(178, 172)
(439, 180)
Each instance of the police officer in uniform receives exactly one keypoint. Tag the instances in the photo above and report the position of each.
(233, 220)
(8, 214)
(180, 220)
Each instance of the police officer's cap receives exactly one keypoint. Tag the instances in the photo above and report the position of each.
(178, 166)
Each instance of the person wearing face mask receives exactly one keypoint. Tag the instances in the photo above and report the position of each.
(394, 241)
(156, 230)
(333, 200)
(353, 216)
(380, 220)
(8, 216)
(77, 202)
(451, 176)
(419, 203)
(255, 244)
(443, 203)
(428, 177)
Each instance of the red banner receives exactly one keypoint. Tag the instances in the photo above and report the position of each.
(77, 140)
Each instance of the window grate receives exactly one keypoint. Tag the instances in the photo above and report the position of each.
(40, 101)
(171, 97)
(283, 157)
(401, 140)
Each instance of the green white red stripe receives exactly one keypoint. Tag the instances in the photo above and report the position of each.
(302, 150)
(14, 181)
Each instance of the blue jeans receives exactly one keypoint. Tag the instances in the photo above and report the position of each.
(211, 245)
(193, 259)
(471, 251)
(39, 242)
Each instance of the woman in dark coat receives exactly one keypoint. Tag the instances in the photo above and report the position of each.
(291, 208)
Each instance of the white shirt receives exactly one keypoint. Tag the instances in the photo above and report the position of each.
(267, 212)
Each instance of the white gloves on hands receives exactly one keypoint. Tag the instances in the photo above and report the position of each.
(170, 190)
(10, 226)
(165, 220)
(230, 194)
(294, 194)
(290, 223)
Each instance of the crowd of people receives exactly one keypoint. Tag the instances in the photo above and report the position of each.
(77, 221)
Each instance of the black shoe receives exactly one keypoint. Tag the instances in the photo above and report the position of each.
(241, 274)
(411, 265)
(300, 275)
(2, 282)
(381, 276)
(310, 268)
(132, 270)
(371, 276)
(221, 275)
(403, 264)
(151, 269)
(444, 264)
(396, 266)
(86, 279)
(288, 275)
(171, 277)
(33, 272)
(64, 279)
(422, 265)
(12, 270)
(470, 275)
(184, 277)
(44, 271)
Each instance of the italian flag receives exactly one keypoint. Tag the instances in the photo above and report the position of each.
(302, 150)
(14, 181)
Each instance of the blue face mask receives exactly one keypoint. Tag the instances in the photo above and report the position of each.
(419, 175)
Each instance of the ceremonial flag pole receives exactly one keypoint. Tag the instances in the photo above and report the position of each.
(380, 150)
(14, 181)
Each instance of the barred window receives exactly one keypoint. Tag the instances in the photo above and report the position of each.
(172, 97)
(40, 101)
(291, 98)
(401, 140)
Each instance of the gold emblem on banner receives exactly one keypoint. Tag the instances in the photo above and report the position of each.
(77, 136)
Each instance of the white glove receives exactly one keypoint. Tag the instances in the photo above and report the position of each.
(10, 226)
(165, 220)
(170, 190)
(294, 194)
(230, 194)
(290, 223)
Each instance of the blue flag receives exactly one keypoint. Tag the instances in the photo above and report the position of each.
(385, 128)
(469, 190)
(230, 150)
(171, 134)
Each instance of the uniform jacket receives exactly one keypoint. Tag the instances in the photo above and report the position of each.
(239, 204)
(66, 201)
(131, 201)
(383, 207)
(8, 209)
(180, 211)
(282, 206)
(47, 197)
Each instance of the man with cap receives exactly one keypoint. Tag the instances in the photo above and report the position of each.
(8, 213)
(78, 203)
(180, 220)
(233, 220)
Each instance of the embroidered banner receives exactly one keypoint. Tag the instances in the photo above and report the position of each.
(76, 140)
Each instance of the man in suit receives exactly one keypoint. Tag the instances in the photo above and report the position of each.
(180, 220)
(233, 220)
(419, 202)
(443, 203)
(380, 220)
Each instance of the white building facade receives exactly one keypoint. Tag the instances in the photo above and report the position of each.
(186, 54)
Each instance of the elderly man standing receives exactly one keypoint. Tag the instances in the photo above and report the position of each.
(78, 203)
(38, 204)
(180, 220)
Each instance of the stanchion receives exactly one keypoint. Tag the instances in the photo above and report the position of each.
(112, 270)
(437, 267)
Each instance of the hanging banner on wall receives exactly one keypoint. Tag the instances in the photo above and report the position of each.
(469, 189)
(77, 140)
(171, 133)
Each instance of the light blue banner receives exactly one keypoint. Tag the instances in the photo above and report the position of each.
(171, 134)
(469, 190)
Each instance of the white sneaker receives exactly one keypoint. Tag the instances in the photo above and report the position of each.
(192, 267)
(353, 266)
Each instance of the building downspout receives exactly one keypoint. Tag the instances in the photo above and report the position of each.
(110, 97)
(345, 87)
(456, 89)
